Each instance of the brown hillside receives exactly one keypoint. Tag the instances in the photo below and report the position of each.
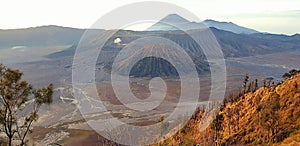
(268, 116)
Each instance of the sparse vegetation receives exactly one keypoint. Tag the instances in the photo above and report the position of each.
(290, 74)
(19, 105)
(262, 116)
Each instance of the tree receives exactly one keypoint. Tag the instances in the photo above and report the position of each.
(164, 126)
(15, 95)
(264, 82)
(246, 79)
(216, 125)
(286, 75)
(294, 72)
(291, 73)
(269, 115)
(256, 85)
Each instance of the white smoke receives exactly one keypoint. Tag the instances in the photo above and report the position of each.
(117, 41)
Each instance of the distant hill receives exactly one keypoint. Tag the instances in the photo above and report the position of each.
(40, 36)
(237, 45)
(269, 115)
(229, 26)
(232, 45)
(174, 19)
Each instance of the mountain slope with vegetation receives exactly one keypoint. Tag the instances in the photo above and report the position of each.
(269, 115)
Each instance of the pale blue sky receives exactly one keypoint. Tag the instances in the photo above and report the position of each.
(274, 16)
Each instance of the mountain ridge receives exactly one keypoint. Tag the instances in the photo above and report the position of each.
(40, 36)
(171, 21)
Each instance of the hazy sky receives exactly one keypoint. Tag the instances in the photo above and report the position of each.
(275, 16)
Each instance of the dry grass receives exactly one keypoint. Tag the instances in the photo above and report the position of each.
(293, 140)
(269, 115)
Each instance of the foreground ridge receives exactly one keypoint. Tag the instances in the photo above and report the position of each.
(268, 116)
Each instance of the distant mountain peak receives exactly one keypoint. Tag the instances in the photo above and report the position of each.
(171, 20)
(174, 18)
(169, 23)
